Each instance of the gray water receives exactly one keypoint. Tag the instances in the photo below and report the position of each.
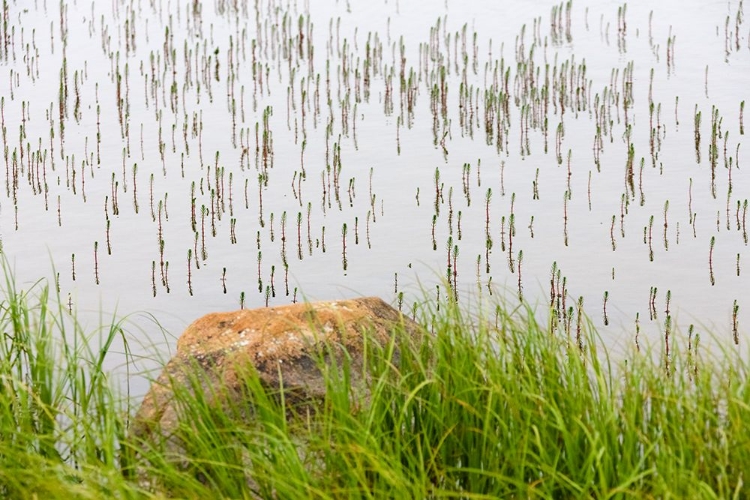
(103, 205)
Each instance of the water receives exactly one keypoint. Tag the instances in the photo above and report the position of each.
(160, 106)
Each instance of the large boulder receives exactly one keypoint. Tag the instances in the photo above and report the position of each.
(284, 345)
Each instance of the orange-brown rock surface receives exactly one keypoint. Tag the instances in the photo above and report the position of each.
(280, 342)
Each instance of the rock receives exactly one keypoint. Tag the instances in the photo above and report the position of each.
(280, 342)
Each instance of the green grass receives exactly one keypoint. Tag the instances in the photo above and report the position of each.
(487, 405)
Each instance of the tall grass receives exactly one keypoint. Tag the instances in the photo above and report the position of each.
(62, 428)
(485, 405)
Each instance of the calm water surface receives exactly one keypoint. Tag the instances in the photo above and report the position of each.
(174, 159)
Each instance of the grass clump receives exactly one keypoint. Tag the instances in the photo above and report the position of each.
(484, 406)
(62, 428)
